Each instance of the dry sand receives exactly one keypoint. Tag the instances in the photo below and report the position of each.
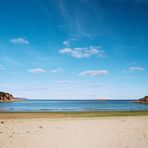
(108, 132)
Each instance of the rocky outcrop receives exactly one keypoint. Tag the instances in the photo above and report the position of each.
(6, 97)
(143, 100)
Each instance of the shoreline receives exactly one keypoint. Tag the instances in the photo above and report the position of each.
(33, 115)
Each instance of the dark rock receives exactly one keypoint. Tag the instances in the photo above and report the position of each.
(6, 97)
(143, 100)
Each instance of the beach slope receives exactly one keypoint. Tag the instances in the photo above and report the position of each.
(102, 132)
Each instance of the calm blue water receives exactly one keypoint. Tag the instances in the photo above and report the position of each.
(60, 106)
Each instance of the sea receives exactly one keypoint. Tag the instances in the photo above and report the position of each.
(72, 106)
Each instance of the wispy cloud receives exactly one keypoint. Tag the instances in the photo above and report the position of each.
(2, 67)
(66, 43)
(2, 85)
(69, 41)
(94, 73)
(84, 52)
(68, 82)
(132, 69)
(136, 68)
(9, 60)
(33, 89)
(57, 70)
(37, 70)
(20, 41)
(138, 1)
(76, 18)
(96, 86)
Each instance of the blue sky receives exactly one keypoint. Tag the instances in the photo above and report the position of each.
(74, 49)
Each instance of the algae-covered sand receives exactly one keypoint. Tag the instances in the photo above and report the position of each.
(21, 115)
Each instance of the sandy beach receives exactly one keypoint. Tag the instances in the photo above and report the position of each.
(100, 132)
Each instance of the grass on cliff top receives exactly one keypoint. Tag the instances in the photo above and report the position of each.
(13, 115)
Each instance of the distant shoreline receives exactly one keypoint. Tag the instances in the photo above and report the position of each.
(9, 101)
(80, 100)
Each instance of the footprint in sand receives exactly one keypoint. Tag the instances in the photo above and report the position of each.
(59, 128)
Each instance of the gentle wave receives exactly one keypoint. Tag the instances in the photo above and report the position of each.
(71, 105)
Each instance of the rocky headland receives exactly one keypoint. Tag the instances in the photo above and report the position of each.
(143, 100)
(7, 97)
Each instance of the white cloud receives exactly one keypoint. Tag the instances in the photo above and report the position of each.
(136, 68)
(19, 41)
(68, 41)
(56, 70)
(37, 70)
(84, 52)
(94, 73)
